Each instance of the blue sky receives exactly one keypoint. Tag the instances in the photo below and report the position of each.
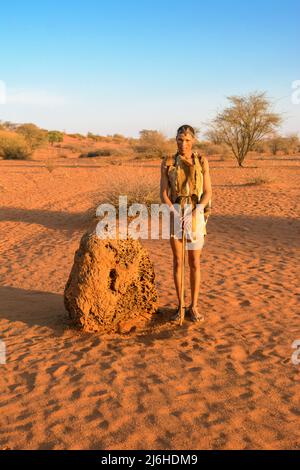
(122, 66)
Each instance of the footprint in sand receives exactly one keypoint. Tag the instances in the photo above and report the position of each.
(185, 357)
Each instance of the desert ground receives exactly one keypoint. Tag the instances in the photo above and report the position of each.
(228, 383)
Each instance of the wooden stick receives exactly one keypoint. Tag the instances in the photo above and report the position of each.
(182, 308)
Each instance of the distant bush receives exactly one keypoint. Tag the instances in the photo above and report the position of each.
(279, 145)
(152, 144)
(210, 148)
(55, 136)
(14, 146)
(71, 147)
(115, 138)
(119, 138)
(75, 148)
(92, 136)
(226, 155)
(8, 126)
(262, 147)
(286, 145)
(34, 136)
(97, 153)
(97, 138)
(77, 136)
(132, 141)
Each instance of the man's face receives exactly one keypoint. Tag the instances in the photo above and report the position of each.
(185, 143)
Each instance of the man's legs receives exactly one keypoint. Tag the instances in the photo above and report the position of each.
(176, 245)
(195, 274)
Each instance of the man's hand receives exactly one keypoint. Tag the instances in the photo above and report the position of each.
(187, 217)
(186, 220)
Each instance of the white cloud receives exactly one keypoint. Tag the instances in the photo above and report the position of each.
(34, 97)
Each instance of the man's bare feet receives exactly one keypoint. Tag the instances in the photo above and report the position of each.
(195, 315)
(176, 315)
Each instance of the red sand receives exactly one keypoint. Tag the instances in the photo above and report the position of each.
(229, 383)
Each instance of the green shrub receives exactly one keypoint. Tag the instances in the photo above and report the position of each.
(55, 136)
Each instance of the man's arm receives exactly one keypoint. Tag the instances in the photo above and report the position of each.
(207, 189)
(164, 185)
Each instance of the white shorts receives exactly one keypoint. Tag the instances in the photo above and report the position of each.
(194, 239)
(196, 244)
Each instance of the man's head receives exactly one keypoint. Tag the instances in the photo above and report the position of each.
(185, 139)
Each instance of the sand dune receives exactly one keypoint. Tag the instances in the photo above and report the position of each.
(228, 383)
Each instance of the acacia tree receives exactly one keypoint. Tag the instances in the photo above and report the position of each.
(247, 121)
(55, 136)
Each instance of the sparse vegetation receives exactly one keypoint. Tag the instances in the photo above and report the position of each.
(71, 147)
(77, 136)
(34, 136)
(14, 146)
(97, 138)
(285, 145)
(115, 138)
(8, 126)
(119, 138)
(50, 165)
(256, 181)
(142, 189)
(153, 144)
(55, 137)
(104, 152)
